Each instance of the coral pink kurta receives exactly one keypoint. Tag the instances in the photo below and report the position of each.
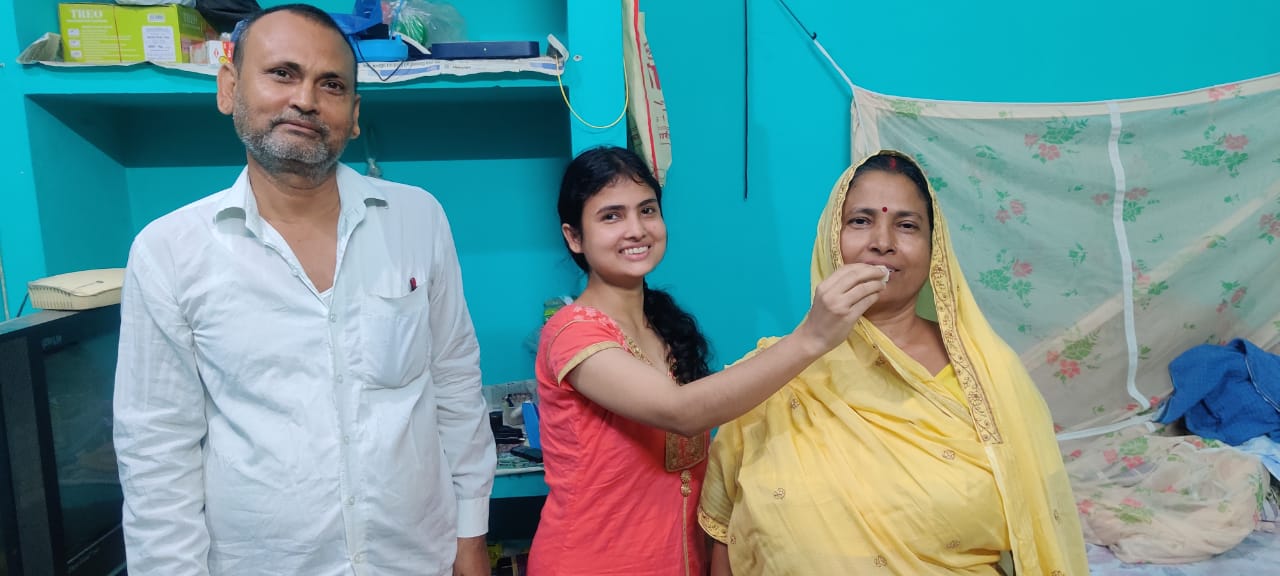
(624, 495)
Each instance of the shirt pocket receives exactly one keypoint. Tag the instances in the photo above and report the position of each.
(395, 336)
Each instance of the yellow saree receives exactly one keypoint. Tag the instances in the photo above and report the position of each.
(868, 464)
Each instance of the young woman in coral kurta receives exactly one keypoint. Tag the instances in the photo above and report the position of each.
(626, 493)
(626, 398)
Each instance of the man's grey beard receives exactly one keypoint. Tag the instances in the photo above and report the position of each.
(276, 156)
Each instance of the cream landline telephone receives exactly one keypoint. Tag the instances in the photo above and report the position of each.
(77, 290)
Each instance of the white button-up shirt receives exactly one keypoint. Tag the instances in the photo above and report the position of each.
(263, 428)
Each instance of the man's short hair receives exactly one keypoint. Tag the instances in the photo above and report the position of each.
(307, 11)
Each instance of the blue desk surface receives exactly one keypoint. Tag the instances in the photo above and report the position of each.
(519, 485)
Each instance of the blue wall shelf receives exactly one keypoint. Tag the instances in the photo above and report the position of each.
(150, 79)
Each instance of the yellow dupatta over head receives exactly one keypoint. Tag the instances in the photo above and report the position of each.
(866, 461)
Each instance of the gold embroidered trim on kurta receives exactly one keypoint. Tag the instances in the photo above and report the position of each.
(686, 488)
(581, 357)
(684, 452)
(979, 405)
(714, 528)
(681, 451)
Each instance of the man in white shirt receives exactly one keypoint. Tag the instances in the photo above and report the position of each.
(298, 388)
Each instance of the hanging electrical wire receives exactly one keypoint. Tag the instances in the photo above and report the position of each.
(813, 36)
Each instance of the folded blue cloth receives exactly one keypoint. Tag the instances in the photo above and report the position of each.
(1266, 449)
(1229, 393)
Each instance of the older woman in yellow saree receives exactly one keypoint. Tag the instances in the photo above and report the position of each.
(917, 447)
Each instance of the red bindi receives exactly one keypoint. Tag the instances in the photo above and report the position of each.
(884, 209)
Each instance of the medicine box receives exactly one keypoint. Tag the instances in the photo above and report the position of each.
(107, 33)
(89, 33)
(213, 52)
(159, 33)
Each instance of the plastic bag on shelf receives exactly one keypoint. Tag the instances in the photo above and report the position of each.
(46, 48)
(424, 22)
(223, 15)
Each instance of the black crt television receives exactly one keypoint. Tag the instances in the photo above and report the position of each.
(60, 496)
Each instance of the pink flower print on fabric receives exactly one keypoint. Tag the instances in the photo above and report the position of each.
(1233, 142)
(1217, 92)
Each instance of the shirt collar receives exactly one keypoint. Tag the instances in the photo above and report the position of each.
(355, 192)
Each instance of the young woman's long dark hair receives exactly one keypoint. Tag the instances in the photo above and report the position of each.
(586, 176)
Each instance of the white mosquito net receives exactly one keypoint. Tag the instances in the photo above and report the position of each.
(1104, 239)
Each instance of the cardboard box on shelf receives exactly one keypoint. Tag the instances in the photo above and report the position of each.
(159, 33)
(212, 52)
(89, 33)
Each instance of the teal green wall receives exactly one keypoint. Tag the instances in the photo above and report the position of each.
(20, 218)
(742, 266)
(110, 150)
(504, 223)
(81, 206)
(156, 191)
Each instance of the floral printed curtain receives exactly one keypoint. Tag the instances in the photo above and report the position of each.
(1104, 239)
